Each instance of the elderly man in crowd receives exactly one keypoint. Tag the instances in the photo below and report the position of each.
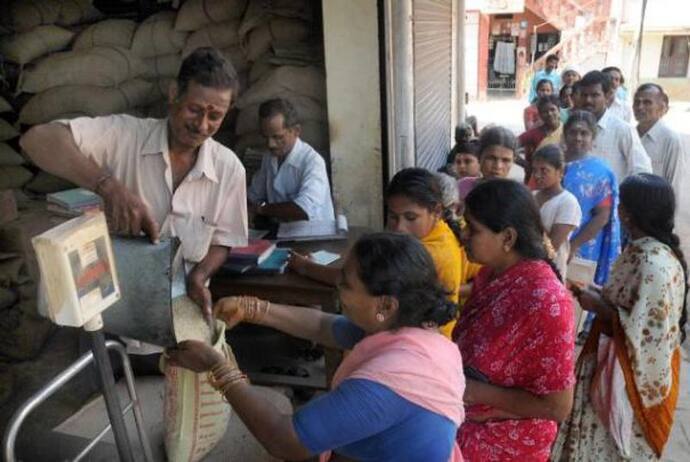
(662, 144)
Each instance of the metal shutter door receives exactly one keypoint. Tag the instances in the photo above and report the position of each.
(432, 80)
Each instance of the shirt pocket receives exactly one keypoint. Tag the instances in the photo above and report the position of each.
(195, 235)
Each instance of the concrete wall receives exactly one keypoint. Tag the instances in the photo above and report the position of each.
(351, 41)
(677, 88)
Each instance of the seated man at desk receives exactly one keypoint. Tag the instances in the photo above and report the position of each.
(292, 183)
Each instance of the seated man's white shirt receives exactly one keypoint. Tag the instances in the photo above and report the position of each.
(302, 179)
(209, 206)
(619, 143)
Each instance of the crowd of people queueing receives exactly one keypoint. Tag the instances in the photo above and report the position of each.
(459, 319)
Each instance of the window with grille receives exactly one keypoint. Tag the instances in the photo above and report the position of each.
(674, 56)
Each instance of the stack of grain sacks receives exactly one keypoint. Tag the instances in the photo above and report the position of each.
(284, 46)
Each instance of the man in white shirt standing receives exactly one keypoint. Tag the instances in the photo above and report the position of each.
(617, 101)
(616, 141)
(162, 176)
(661, 143)
(292, 182)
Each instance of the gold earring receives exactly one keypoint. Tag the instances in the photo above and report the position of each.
(380, 317)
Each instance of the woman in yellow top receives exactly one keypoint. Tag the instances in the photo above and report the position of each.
(415, 206)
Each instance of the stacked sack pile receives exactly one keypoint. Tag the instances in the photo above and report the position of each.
(283, 45)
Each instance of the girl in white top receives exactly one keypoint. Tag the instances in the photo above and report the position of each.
(559, 209)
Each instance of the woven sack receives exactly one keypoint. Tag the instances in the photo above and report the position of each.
(286, 81)
(276, 30)
(195, 415)
(14, 176)
(237, 58)
(216, 35)
(162, 66)
(195, 14)
(4, 105)
(45, 183)
(98, 66)
(307, 110)
(7, 131)
(157, 36)
(9, 156)
(86, 100)
(24, 47)
(74, 12)
(24, 15)
(260, 12)
(107, 33)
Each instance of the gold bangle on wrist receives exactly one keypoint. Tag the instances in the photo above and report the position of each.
(224, 376)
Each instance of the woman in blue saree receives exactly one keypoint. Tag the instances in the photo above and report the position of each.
(594, 185)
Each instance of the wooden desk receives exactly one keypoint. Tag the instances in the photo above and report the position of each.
(290, 289)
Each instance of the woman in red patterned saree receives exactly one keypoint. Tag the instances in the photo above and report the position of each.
(516, 333)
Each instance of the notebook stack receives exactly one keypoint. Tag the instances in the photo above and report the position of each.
(259, 257)
(73, 202)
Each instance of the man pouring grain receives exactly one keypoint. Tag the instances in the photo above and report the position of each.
(162, 176)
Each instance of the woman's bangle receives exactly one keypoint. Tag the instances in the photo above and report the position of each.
(255, 309)
(224, 376)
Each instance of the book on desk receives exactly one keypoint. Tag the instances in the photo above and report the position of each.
(259, 257)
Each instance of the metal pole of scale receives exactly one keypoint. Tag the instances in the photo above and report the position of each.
(112, 402)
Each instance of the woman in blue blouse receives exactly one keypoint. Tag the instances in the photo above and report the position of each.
(397, 396)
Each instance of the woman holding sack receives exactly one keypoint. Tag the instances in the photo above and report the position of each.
(396, 397)
(516, 332)
(628, 370)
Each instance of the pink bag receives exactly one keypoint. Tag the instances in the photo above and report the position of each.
(609, 397)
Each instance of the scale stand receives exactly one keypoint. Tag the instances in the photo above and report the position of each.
(105, 374)
(99, 354)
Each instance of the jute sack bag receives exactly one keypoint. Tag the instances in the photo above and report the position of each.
(276, 30)
(195, 14)
(107, 33)
(261, 11)
(7, 131)
(217, 35)
(285, 81)
(86, 100)
(237, 58)
(195, 415)
(23, 15)
(24, 47)
(98, 66)
(9, 156)
(74, 12)
(4, 105)
(307, 109)
(14, 176)
(164, 66)
(157, 36)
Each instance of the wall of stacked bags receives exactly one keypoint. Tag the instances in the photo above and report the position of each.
(66, 58)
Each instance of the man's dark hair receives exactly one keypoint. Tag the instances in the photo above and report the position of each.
(552, 58)
(596, 78)
(653, 86)
(609, 69)
(209, 68)
(279, 106)
(548, 99)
